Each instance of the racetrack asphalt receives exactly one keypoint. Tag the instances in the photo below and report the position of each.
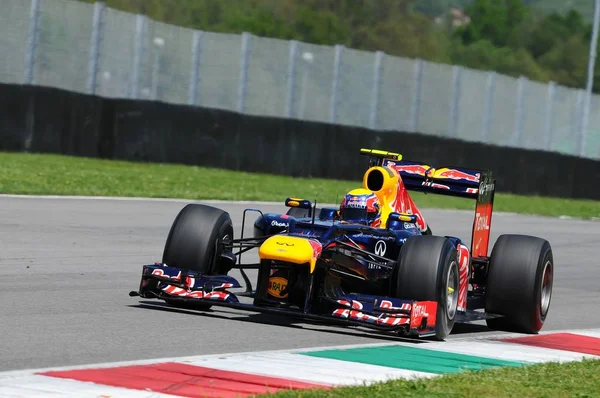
(68, 265)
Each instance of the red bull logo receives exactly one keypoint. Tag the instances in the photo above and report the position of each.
(317, 247)
(463, 260)
(389, 305)
(356, 203)
(418, 169)
(454, 174)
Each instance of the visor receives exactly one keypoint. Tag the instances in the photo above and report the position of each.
(347, 214)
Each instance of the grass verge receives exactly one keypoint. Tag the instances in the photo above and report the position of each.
(65, 175)
(572, 379)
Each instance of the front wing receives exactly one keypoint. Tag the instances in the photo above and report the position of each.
(406, 317)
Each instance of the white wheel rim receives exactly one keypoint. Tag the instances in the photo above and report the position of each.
(547, 278)
(452, 290)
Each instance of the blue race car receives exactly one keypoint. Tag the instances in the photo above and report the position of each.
(373, 261)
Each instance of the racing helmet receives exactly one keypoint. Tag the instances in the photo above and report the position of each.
(361, 206)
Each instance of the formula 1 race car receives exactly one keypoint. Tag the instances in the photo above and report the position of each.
(397, 276)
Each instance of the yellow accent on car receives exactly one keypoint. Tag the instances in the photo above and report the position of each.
(385, 186)
(290, 249)
(360, 191)
(380, 153)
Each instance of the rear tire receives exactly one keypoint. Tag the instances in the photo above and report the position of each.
(428, 266)
(519, 285)
(194, 242)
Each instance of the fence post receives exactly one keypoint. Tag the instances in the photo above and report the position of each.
(454, 100)
(489, 102)
(574, 120)
(289, 103)
(244, 61)
(195, 73)
(549, 108)
(95, 46)
(578, 122)
(584, 123)
(34, 16)
(520, 110)
(375, 92)
(158, 43)
(335, 82)
(416, 102)
(140, 22)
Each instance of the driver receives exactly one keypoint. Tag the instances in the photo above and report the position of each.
(361, 206)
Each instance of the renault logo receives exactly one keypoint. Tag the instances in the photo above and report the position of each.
(380, 248)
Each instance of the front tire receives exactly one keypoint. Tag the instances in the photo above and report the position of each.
(519, 286)
(428, 271)
(194, 242)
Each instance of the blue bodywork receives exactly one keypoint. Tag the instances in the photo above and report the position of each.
(327, 229)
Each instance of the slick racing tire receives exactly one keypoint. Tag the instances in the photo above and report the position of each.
(519, 284)
(428, 271)
(194, 242)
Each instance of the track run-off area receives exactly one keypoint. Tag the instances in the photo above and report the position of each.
(68, 265)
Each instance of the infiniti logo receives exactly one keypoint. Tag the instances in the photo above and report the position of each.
(380, 248)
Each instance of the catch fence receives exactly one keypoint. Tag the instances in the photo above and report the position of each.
(90, 48)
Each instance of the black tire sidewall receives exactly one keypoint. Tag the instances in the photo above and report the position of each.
(193, 241)
(514, 286)
(225, 230)
(443, 321)
(424, 264)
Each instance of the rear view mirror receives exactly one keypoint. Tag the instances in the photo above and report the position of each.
(403, 217)
(301, 203)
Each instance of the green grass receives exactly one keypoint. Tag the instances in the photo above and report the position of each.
(64, 175)
(573, 379)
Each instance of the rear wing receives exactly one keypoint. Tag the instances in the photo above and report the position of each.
(450, 181)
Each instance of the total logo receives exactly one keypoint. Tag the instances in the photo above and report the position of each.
(419, 310)
(276, 223)
(481, 222)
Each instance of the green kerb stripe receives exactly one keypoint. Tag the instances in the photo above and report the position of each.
(411, 358)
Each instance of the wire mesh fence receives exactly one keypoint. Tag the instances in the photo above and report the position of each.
(90, 48)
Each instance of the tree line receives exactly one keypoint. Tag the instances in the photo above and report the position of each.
(509, 36)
